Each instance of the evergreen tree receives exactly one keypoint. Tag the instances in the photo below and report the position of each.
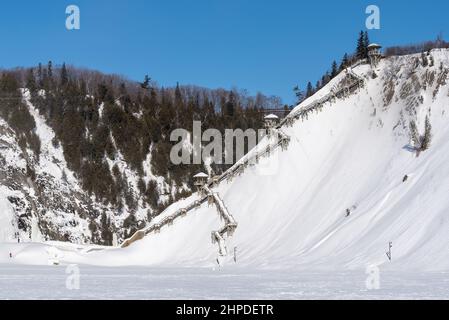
(344, 62)
(334, 69)
(31, 81)
(146, 82)
(64, 75)
(106, 233)
(47, 77)
(325, 79)
(50, 70)
(414, 135)
(427, 138)
(179, 103)
(310, 90)
(230, 105)
(299, 94)
(39, 75)
(366, 43)
(360, 50)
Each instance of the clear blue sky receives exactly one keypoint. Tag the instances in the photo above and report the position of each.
(259, 45)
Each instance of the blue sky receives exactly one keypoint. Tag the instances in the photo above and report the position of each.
(259, 45)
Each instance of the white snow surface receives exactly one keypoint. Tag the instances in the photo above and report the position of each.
(49, 282)
(291, 214)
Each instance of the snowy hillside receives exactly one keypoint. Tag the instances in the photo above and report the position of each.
(41, 199)
(52, 202)
(347, 185)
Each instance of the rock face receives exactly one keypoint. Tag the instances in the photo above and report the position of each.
(38, 200)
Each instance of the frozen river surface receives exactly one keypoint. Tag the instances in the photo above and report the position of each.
(37, 282)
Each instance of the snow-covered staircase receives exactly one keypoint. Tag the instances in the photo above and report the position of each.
(155, 227)
(349, 83)
(230, 224)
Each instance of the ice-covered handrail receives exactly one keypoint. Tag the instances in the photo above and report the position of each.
(355, 81)
(222, 210)
(156, 226)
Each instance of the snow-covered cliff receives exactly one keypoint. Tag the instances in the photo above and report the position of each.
(349, 183)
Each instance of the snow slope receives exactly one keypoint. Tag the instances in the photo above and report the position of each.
(291, 209)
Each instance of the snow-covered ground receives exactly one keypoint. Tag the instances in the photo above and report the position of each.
(37, 282)
(294, 229)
